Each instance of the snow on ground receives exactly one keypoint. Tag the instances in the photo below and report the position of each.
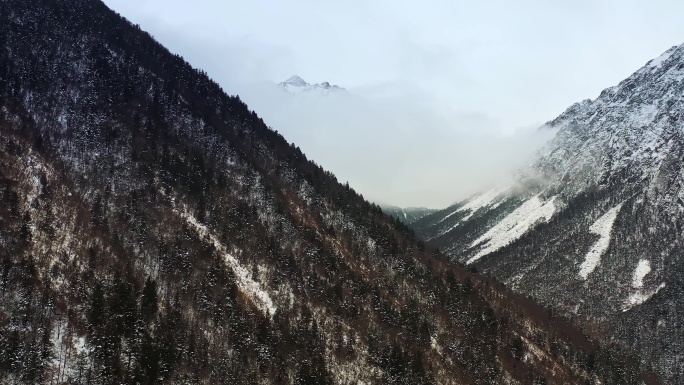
(477, 202)
(642, 269)
(514, 225)
(435, 344)
(245, 282)
(657, 62)
(483, 200)
(67, 350)
(449, 215)
(602, 227)
(473, 205)
(640, 297)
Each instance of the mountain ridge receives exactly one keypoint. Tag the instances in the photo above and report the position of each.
(593, 227)
(154, 229)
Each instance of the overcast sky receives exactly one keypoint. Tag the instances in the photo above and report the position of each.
(445, 96)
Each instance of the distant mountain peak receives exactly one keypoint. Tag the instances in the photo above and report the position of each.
(295, 80)
(295, 84)
(271, 275)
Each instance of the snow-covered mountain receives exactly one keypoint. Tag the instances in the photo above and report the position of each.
(594, 226)
(154, 229)
(295, 84)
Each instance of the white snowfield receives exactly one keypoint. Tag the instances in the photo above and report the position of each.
(514, 225)
(642, 269)
(476, 203)
(483, 200)
(602, 227)
(245, 282)
(640, 297)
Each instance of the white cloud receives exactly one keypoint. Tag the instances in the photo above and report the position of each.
(392, 146)
(444, 87)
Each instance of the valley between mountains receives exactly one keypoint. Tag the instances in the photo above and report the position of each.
(154, 229)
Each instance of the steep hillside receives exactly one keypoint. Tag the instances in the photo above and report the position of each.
(593, 228)
(407, 215)
(154, 230)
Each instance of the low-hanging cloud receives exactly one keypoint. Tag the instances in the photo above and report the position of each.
(394, 141)
(437, 93)
(392, 146)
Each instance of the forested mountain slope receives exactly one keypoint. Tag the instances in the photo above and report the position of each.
(593, 228)
(406, 215)
(154, 230)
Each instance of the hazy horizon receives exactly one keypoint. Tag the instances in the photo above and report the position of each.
(444, 98)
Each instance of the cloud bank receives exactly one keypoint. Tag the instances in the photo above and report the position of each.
(446, 96)
(392, 145)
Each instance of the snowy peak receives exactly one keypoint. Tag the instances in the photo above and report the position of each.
(295, 84)
(295, 81)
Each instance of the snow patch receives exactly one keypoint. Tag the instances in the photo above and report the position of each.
(473, 205)
(482, 200)
(448, 216)
(435, 344)
(602, 227)
(657, 62)
(68, 352)
(514, 225)
(642, 269)
(640, 297)
(245, 282)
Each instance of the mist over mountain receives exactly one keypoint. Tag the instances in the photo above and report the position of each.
(593, 228)
(154, 229)
(501, 69)
(407, 215)
(380, 138)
